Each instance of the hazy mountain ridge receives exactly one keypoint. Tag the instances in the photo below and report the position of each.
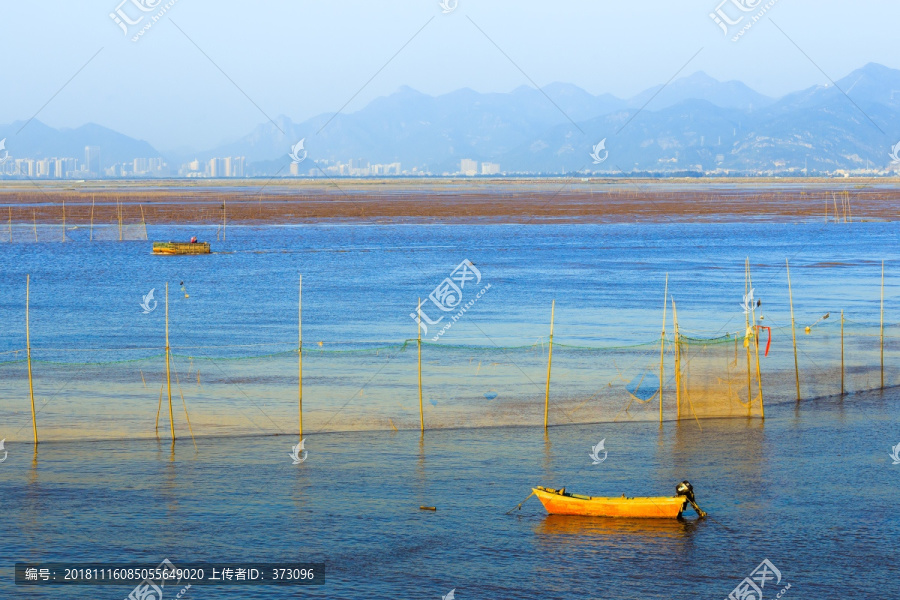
(696, 123)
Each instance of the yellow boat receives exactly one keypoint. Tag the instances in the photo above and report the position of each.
(559, 502)
(180, 247)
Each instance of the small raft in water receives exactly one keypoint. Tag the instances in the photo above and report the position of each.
(180, 248)
(559, 502)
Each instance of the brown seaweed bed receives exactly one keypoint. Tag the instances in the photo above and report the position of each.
(447, 201)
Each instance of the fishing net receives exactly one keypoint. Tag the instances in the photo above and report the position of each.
(89, 393)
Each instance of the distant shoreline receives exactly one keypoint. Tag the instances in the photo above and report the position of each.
(453, 200)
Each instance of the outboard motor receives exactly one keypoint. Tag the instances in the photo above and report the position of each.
(687, 490)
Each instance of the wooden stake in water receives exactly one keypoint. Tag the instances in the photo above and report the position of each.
(34, 222)
(882, 324)
(143, 222)
(793, 329)
(549, 363)
(92, 218)
(677, 363)
(28, 349)
(842, 352)
(224, 219)
(10, 223)
(419, 346)
(168, 360)
(662, 348)
(762, 406)
(64, 220)
(299, 359)
(747, 338)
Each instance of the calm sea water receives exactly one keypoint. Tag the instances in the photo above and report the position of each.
(812, 489)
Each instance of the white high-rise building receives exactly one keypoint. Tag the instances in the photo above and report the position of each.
(92, 160)
(468, 167)
(488, 168)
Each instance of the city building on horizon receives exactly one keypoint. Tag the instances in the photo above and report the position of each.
(92, 160)
(468, 167)
(229, 166)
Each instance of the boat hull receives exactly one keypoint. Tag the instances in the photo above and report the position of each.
(662, 507)
(180, 248)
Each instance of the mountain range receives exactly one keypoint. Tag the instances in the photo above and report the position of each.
(695, 123)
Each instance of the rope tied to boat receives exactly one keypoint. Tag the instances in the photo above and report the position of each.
(519, 505)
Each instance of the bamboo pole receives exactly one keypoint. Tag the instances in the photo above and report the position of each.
(842, 352)
(144, 223)
(92, 218)
(662, 348)
(419, 346)
(549, 363)
(762, 406)
(747, 338)
(299, 359)
(64, 220)
(224, 218)
(10, 223)
(28, 349)
(168, 360)
(677, 362)
(793, 329)
(882, 324)
(34, 222)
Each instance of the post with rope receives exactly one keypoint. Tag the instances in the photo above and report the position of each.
(168, 372)
(300, 359)
(662, 348)
(755, 331)
(747, 332)
(28, 352)
(549, 363)
(419, 347)
(677, 363)
(793, 329)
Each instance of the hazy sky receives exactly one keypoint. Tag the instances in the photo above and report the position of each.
(300, 58)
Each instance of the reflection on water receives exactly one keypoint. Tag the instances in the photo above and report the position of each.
(591, 530)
